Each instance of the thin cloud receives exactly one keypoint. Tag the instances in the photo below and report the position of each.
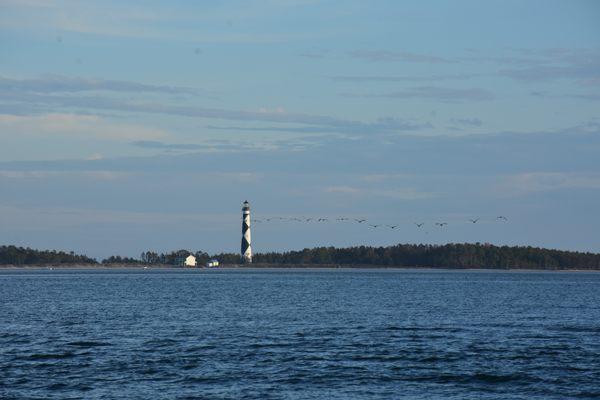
(342, 189)
(398, 194)
(209, 146)
(584, 73)
(120, 20)
(380, 125)
(501, 60)
(396, 56)
(579, 96)
(383, 78)
(581, 65)
(592, 97)
(58, 217)
(65, 84)
(323, 123)
(100, 175)
(378, 178)
(525, 65)
(60, 124)
(567, 149)
(533, 182)
(467, 121)
(95, 157)
(153, 144)
(447, 95)
(590, 82)
(319, 53)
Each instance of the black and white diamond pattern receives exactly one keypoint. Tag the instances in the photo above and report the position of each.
(246, 247)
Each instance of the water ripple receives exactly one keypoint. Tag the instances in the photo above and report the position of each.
(301, 335)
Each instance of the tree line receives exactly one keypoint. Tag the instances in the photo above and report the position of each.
(13, 255)
(464, 255)
(460, 255)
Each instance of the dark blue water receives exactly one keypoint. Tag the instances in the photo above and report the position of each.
(299, 334)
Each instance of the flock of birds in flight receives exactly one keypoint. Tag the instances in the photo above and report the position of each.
(364, 221)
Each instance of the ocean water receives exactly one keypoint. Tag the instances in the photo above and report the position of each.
(299, 334)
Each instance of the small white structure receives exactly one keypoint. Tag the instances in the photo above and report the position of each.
(212, 263)
(190, 261)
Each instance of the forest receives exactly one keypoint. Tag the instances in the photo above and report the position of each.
(464, 255)
(459, 256)
(13, 255)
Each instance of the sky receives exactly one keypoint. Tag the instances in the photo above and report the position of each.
(128, 126)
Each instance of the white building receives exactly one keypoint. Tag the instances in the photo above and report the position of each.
(212, 263)
(190, 261)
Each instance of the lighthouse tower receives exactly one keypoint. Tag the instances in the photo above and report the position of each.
(246, 248)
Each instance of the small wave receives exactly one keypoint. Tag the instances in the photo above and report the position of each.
(270, 345)
(87, 344)
(395, 328)
(444, 358)
(202, 347)
(480, 377)
(156, 343)
(57, 386)
(577, 328)
(378, 358)
(401, 328)
(496, 378)
(50, 356)
(588, 394)
(201, 379)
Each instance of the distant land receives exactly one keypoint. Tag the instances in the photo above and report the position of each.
(454, 256)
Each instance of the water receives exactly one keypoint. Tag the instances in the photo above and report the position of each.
(299, 334)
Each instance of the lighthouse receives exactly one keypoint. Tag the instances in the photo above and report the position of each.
(246, 248)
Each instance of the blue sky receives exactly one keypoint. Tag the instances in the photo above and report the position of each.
(127, 126)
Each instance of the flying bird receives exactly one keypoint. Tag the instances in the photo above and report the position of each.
(360, 221)
(419, 225)
(392, 226)
(502, 218)
(441, 224)
(322, 220)
(374, 226)
(474, 220)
